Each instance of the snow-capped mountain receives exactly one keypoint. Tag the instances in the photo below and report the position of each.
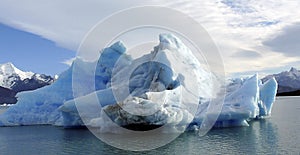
(15, 80)
(10, 74)
(288, 81)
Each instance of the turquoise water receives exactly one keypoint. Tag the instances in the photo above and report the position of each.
(276, 135)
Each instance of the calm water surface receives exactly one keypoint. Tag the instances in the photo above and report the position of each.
(276, 135)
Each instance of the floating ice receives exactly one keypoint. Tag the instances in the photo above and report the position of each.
(247, 99)
(158, 93)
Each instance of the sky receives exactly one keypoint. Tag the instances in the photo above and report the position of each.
(252, 36)
(30, 52)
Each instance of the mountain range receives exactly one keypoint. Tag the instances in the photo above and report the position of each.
(288, 82)
(13, 80)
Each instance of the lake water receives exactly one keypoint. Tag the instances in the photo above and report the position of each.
(276, 135)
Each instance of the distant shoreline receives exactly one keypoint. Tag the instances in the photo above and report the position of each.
(293, 93)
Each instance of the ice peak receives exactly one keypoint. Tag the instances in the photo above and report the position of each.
(7, 64)
(169, 40)
(8, 68)
(118, 47)
(293, 70)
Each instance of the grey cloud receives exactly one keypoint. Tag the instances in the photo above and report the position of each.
(64, 22)
(287, 42)
(246, 54)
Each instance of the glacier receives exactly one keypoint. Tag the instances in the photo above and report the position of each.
(154, 94)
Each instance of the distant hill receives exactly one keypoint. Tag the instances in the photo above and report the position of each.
(13, 80)
(288, 82)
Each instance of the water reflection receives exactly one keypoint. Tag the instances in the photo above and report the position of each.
(276, 135)
(260, 137)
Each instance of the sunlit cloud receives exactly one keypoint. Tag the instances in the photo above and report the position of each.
(249, 33)
(69, 61)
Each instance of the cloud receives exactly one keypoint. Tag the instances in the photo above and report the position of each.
(64, 22)
(270, 70)
(69, 61)
(233, 25)
(246, 54)
(286, 42)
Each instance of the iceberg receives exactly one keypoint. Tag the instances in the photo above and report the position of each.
(150, 91)
(151, 96)
(246, 99)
